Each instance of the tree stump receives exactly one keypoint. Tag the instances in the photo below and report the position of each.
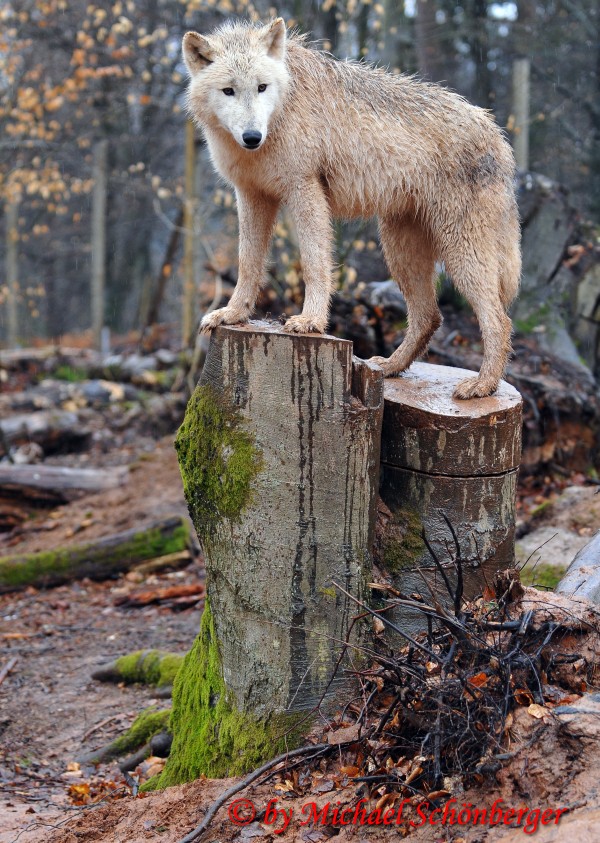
(441, 457)
(279, 454)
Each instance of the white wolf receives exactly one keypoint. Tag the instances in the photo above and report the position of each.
(286, 124)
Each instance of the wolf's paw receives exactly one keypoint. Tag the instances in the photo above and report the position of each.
(305, 325)
(475, 388)
(389, 367)
(223, 316)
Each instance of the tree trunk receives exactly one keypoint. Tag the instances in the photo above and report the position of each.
(12, 273)
(521, 94)
(189, 216)
(442, 457)
(279, 453)
(99, 240)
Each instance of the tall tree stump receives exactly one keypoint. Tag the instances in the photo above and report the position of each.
(446, 459)
(279, 454)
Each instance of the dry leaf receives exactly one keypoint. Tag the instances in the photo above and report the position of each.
(538, 711)
(350, 771)
(523, 696)
(347, 735)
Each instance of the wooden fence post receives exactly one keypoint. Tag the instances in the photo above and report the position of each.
(279, 454)
(441, 457)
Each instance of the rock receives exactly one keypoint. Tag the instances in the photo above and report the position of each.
(385, 294)
(166, 358)
(583, 576)
(553, 546)
(582, 718)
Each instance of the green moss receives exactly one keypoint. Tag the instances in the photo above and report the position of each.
(403, 543)
(210, 735)
(533, 321)
(70, 374)
(53, 567)
(148, 723)
(330, 593)
(547, 576)
(218, 460)
(149, 667)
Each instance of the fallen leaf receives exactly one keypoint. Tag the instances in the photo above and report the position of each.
(523, 696)
(538, 711)
(347, 735)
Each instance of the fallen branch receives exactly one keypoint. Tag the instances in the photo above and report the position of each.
(98, 560)
(160, 595)
(7, 668)
(171, 562)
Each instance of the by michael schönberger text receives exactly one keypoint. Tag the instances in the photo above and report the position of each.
(452, 813)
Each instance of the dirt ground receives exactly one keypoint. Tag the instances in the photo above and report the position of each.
(51, 711)
(50, 708)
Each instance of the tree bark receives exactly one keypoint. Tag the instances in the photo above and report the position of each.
(310, 509)
(279, 453)
(442, 457)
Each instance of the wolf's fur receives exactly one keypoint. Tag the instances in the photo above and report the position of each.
(343, 139)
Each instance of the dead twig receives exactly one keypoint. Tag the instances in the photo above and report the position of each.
(7, 668)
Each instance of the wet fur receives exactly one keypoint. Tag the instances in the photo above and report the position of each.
(344, 139)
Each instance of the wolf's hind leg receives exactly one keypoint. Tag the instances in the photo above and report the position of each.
(409, 254)
(477, 278)
(256, 214)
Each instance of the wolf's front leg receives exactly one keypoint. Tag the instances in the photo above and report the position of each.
(256, 215)
(309, 209)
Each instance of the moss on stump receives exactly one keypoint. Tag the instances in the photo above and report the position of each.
(218, 460)
(211, 736)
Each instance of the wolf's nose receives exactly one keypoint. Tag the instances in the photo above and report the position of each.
(252, 139)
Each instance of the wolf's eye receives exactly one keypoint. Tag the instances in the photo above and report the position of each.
(229, 92)
(262, 88)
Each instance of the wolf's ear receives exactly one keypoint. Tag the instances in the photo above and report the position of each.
(198, 52)
(274, 38)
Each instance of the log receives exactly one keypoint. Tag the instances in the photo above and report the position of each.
(445, 459)
(279, 453)
(58, 484)
(101, 559)
(54, 430)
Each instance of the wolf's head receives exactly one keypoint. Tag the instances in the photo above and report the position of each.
(238, 78)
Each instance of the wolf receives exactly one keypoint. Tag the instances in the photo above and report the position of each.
(287, 124)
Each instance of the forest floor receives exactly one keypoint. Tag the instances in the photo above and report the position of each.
(52, 712)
